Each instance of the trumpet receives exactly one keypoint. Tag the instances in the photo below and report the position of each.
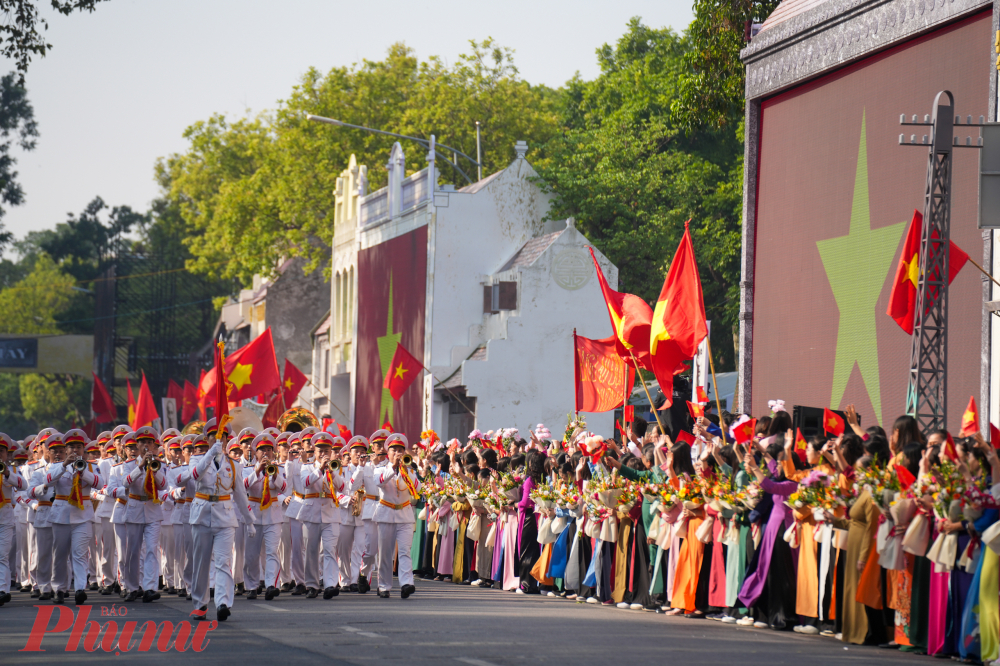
(333, 466)
(79, 464)
(270, 469)
(3, 468)
(406, 460)
(154, 465)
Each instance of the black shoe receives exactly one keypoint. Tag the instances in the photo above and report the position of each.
(159, 583)
(383, 594)
(287, 587)
(59, 598)
(312, 593)
(188, 597)
(330, 593)
(132, 596)
(363, 585)
(6, 597)
(252, 594)
(223, 613)
(117, 587)
(170, 590)
(352, 588)
(406, 591)
(104, 591)
(240, 590)
(211, 593)
(182, 592)
(299, 589)
(201, 615)
(271, 593)
(81, 597)
(150, 596)
(93, 587)
(45, 596)
(36, 593)
(26, 588)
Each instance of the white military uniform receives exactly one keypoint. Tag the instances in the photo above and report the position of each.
(21, 502)
(183, 496)
(296, 536)
(267, 524)
(10, 483)
(31, 509)
(72, 528)
(366, 536)
(43, 496)
(219, 495)
(349, 527)
(285, 537)
(320, 518)
(115, 480)
(104, 531)
(166, 554)
(395, 519)
(143, 516)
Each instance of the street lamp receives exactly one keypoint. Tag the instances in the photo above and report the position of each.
(430, 145)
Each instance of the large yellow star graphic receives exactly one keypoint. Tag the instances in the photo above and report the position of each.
(400, 370)
(240, 376)
(288, 384)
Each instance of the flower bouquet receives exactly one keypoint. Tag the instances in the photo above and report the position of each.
(544, 496)
(510, 484)
(607, 489)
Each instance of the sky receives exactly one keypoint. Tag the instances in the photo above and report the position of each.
(120, 85)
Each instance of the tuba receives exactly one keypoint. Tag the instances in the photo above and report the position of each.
(194, 428)
(297, 419)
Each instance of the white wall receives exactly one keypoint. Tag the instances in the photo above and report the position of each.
(528, 377)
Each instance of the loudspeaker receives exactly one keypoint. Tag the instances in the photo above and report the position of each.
(810, 419)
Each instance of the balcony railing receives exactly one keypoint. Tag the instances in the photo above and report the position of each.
(414, 190)
(374, 207)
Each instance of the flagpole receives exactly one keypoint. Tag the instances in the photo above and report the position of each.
(973, 262)
(576, 378)
(652, 407)
(715, 385)
(329, 399)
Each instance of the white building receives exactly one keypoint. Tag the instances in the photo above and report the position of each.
(473, 282)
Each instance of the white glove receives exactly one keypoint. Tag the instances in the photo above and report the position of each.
(251, 531)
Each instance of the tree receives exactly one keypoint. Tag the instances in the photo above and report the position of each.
(712, 90)
(17, 124)
(58, 401)
(33, 304)
(255, 190)
(19, 32)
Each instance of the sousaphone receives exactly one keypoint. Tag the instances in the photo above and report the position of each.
(297, 419)
(194, 428)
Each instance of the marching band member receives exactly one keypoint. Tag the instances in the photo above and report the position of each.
(71, 515)
(21, 500)
(348, 521)
(183, 495)
(144, 480)
(398, 485)
(365, 535)
(219, 495)
(92, 454)
(10, 482)
(293, 510)
(285, 543)
(321, 515)
(264, 482)
(235, 452)
(120, 435)
(104, 531)
(31, 505)
(52, 453)
(168, 531)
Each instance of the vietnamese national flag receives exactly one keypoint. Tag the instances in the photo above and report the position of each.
(189, 402)
(832, 423)
(387, 426)
(344, 432)
(994, 436)
(403, 371)
(293, 382)
(145, 408)
(970, 419)
(702, 396)
(743, 433)
(800, 441)
(679, 323)
(905, 476)
(274, 410)
(131, 404)
(903, 298)
(684, 437)
(101, 404)
(630, 318)
(222, 390)
(206, 392)
(175, 391)
(253, 369)
(695, 410)
(950, 451)
(602, 377)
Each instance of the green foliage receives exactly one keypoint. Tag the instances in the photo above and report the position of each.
(255, 190)
(712, 90)
(55, 400)
(33, 304)
(631, 177)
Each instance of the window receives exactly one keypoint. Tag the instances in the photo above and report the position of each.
(326, 367)
(500, 296)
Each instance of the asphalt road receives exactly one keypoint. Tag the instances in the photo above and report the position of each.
(440, 624)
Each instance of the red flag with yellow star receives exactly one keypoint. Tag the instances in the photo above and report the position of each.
(131, 404)
(695, 410)
(970, 419)
(832, 423)
(189, 401)
(293, 382)
(903, 299)
(630, 317)
(145, 408)
(403, 371)
(800, 441)
(251, 370)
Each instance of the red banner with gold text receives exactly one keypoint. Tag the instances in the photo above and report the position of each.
(601, 375)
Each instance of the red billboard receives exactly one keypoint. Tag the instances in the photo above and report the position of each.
(392, 293)
(835, 194)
